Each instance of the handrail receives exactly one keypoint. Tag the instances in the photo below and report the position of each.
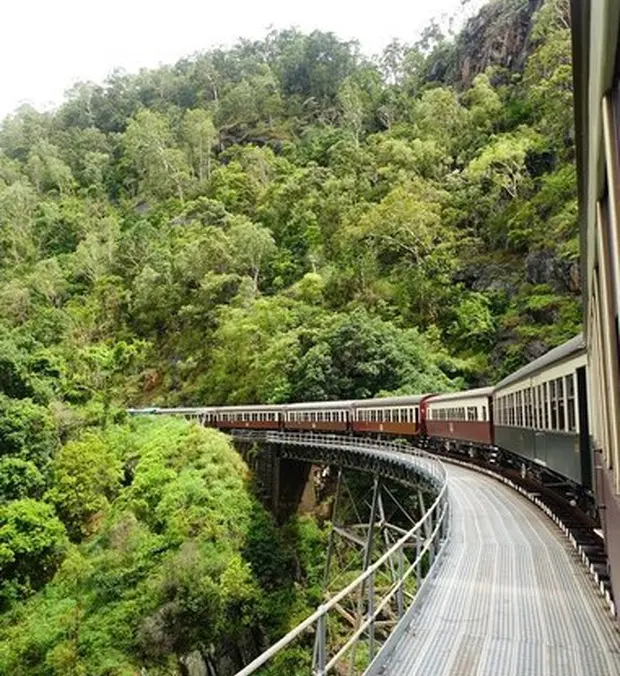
(323, 609)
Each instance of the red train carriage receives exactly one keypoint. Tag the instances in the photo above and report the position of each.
(390, 415)
(251, 417)
(317, 416)
(459, 416)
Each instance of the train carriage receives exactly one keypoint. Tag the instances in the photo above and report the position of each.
(460, 416)
(596, 77)
(250, 417)
(388, 415)
(541, 412)
(318, 416)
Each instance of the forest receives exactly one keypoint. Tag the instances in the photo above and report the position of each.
(285, 220)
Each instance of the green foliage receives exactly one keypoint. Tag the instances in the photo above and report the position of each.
(27, 430)
(175, 564)
(32, 542)
(85, 476)
(19, 479)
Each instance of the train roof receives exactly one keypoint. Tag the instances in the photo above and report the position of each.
(558, 354)
(405, 400)
(319, 405)
(248, 407)
(466, 394)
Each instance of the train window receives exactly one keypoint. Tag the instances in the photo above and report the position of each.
(471, 413)
(527, 394)
(559, 386)
(546, 404)
(513, 409)
(535, 407)
(484, 412)
(520, 409)
(570, 403)
(554, 405)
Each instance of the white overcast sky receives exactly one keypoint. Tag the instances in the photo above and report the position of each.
(48, 45)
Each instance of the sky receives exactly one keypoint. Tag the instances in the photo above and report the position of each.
(46, 46)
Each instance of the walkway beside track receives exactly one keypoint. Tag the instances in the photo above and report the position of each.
(510, 598)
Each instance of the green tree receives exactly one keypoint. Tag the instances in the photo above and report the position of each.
(161, 167)
(32, 544)
(86, 476)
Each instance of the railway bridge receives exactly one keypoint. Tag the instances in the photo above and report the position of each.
(485, 580)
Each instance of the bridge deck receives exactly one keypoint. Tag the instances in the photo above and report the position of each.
(510, 597)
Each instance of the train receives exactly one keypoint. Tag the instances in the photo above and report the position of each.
(535, 420)
(595, 28)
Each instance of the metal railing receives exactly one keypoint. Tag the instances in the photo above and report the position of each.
(388, 588)
(410, 558)
(423, 461)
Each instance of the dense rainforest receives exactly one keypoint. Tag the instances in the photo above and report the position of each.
(284, 220)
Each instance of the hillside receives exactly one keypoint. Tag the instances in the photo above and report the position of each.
(286, 220)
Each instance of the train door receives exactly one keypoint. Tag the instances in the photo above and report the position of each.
(585, 447)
